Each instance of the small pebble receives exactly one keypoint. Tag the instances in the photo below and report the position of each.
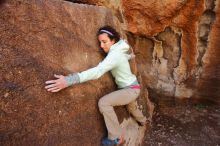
(6, 95)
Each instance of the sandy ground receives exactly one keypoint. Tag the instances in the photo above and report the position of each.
(185, 125)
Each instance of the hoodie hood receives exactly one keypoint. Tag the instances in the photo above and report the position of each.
(120, 46)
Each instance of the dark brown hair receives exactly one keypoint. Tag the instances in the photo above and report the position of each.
(110, 31)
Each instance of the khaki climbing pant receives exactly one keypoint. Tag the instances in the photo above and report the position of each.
(126, 96)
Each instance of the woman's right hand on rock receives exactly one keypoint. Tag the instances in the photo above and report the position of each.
(57, 84)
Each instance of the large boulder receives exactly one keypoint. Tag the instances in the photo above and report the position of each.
(37, 40)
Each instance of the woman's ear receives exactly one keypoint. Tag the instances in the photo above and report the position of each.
(113, 40)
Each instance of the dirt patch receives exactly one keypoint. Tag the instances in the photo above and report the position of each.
(185, 125)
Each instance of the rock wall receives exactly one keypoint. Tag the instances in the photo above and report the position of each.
(180, 46)
(208, 84)
(41, 38)
(180, 39)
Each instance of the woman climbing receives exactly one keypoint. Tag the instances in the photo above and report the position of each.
(116, 61)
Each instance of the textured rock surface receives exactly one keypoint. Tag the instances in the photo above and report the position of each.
(177, 67)
(209, 82)
(169, 24)
(41, 38)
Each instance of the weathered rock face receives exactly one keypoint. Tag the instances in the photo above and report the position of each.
(42, 38)
(178, 52)
(175, 42)
(177, 64)
(209, 81)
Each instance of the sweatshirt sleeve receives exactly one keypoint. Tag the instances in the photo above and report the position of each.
(72, 79)
(94, 73)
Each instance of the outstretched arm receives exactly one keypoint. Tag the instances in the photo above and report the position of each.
(93, 73)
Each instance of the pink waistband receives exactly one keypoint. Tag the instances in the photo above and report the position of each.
(135, 87)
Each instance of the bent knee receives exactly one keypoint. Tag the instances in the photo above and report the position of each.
(104, 105)
(101, 104)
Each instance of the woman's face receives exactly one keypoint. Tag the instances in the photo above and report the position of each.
(105, 42)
